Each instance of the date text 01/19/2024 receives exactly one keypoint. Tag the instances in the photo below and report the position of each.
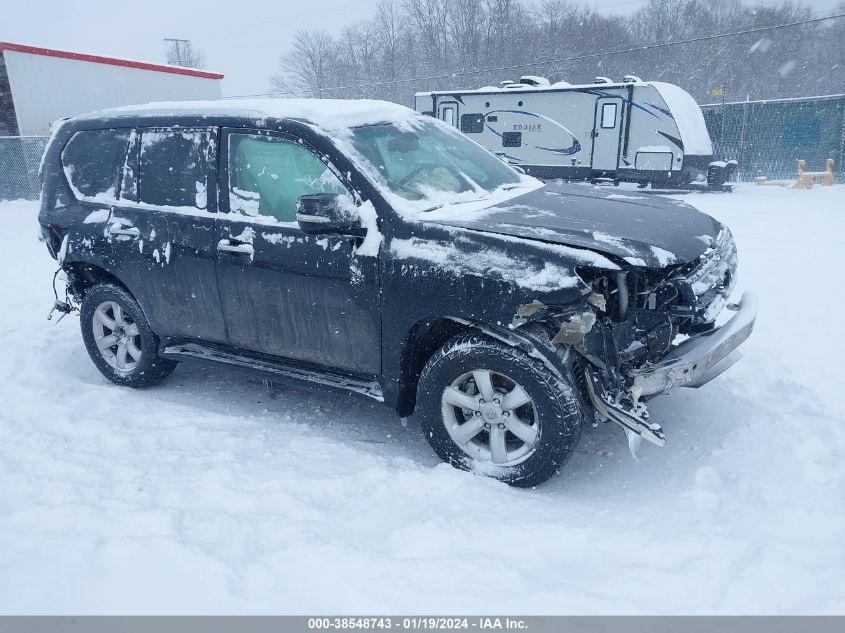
(417, 623)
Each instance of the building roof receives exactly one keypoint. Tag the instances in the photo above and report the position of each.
(110, 61)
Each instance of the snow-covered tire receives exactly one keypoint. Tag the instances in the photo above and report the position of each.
(130, 331)
(552, 411)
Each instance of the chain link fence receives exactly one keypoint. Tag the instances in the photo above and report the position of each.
(20, 157)
(768, 138)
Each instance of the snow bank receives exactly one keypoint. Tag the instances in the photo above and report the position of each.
(213, 494)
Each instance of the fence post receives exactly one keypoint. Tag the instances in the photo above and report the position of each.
(841, 160)
(741, 159)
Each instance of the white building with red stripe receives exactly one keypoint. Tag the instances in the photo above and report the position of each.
(41, 85)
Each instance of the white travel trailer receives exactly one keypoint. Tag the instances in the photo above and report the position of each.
(635, 131)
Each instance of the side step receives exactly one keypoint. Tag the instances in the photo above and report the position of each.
(628, 420)
(369, 388)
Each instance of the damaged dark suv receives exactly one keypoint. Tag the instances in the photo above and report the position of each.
(360, 246)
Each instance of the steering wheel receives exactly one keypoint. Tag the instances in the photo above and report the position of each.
(414, 172)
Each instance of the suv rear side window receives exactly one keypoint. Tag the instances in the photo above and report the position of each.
(174, 167)
(92, 161)
(267, 174)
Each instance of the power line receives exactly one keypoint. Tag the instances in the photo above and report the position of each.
(631, 49)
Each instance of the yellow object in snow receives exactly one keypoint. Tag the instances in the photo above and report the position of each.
(807, 178)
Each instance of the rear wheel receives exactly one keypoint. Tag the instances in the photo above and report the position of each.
(489, 408)
(119, 339)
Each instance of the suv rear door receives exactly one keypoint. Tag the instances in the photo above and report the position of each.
(162, 230)
(302, 297)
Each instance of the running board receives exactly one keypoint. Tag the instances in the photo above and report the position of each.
(198, 351)
(605, 405)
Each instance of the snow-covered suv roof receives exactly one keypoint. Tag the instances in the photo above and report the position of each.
(328, 114)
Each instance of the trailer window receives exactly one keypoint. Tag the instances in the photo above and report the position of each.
(608, 115)
(448, 115)
(472, 123)
(512, 139)
(92, 162)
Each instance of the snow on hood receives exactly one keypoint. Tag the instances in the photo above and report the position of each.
(328, 114)
(547, 276)
(646, 230)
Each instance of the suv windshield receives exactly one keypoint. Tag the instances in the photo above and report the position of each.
(426, 161)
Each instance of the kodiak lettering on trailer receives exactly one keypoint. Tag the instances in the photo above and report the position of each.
(528, 127)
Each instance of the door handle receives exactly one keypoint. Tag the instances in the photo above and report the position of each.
(117, 229)
(241, 248)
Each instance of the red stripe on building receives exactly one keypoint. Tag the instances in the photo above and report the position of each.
(111, 61)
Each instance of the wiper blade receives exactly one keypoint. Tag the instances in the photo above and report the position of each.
(440, 206)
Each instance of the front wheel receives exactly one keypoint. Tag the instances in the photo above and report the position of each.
(489, 408)
(119, 339)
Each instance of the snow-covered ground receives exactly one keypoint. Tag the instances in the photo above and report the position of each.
(213, 493)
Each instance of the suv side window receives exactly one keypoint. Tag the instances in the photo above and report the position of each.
(267, 174)
(174, 167)
(92, 162)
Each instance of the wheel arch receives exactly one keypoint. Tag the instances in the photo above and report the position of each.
(420, 343)
(429, 335)
(82, 276)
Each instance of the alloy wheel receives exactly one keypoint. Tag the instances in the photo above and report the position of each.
(491, 417)
(117, 336)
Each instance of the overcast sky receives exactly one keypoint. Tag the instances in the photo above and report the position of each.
(241, 39)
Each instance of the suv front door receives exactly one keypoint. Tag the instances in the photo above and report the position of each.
(302, 297)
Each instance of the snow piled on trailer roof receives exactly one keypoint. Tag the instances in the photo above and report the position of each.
(516, 87)
(688, 117)
(326, 113)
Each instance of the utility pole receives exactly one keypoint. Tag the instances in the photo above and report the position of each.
(178, 43)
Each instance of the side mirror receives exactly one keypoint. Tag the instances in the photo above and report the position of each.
(328, 213)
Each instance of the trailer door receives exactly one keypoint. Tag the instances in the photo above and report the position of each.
(448, 111)
(607, 133)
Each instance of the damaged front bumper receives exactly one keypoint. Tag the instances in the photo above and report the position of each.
(693, 363)
(699, 360)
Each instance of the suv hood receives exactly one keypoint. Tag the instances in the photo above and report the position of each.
(643, 229)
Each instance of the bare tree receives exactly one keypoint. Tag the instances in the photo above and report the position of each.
(306, 69)
(466, 29)
(182, 53)
(387, 33)
(429, 19)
